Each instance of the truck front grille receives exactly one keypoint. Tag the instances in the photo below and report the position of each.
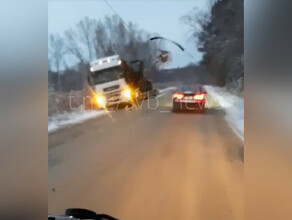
(113, 97)
(111, 88)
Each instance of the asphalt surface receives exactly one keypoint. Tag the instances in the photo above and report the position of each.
(149, 164)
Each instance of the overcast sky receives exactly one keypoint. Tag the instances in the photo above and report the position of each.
(158, 16)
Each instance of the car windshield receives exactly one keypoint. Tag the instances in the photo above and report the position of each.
(146, 108)
(106, 75)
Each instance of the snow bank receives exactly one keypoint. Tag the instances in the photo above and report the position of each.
(233, 106)
(164, 91)
(167, 89)
(58, 121)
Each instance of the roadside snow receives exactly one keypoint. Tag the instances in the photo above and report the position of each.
(164, 91)
(167, 89)
(59, 121)
(233, 106)
(56, 122)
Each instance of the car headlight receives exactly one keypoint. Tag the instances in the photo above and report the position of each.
(127, 93)
(100, 100)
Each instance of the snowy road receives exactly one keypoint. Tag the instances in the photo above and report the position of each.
(149, 164)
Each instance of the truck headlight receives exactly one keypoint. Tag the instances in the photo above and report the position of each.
(100, 100)
(127, 93)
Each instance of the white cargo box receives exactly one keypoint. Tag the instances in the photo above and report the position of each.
(104, 63)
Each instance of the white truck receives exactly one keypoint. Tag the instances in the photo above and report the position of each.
(107, 83)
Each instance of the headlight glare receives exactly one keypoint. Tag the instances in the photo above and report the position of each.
(127, 93)
(100, 100)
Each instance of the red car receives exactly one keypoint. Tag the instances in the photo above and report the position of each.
(189, 99)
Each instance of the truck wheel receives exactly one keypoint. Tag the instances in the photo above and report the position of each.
(145, 86)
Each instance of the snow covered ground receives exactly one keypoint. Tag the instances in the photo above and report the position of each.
(167, 89)
(164, 91)
(58, 121)
(233, 106)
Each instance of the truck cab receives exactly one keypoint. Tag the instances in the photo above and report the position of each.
(107, 83)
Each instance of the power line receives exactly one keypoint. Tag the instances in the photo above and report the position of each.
(127, 28)
(116, 13)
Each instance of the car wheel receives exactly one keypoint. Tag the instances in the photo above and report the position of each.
(175, 109)
(202, 110)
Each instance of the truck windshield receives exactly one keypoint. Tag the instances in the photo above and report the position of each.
(106, 75)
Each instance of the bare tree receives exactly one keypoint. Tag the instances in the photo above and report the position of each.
(90, 39)
(118, 32)
(219, 36)
(86, 29)
(56, 53)
(56, 50)
(73, 46)
(100, 42)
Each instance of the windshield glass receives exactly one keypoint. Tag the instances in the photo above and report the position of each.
(106, 75)
(146, 108)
